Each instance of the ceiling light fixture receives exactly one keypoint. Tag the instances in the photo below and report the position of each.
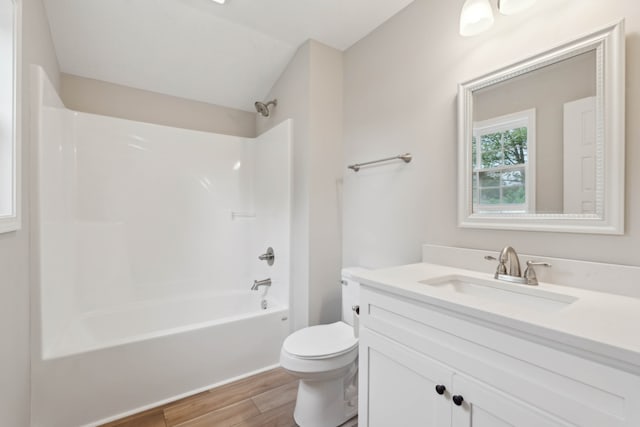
(476, 17)
(219, 1)
(511, 7)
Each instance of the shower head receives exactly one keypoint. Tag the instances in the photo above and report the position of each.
(263, 109)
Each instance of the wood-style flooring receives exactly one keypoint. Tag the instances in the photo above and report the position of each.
(263, 400)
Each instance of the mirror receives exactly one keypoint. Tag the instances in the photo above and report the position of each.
(541, 142)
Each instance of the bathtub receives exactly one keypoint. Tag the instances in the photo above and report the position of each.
(115, 363)
(145, 242)
(145, 320)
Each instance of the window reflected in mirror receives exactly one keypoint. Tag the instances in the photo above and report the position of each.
(501, 164)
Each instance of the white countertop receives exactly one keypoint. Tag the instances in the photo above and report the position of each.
(600, 325)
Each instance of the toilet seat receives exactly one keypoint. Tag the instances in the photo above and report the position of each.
(321, 342)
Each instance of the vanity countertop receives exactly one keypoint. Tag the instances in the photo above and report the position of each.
(598, 325)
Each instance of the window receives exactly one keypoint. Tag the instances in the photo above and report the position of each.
(9, 124)
(503, 157)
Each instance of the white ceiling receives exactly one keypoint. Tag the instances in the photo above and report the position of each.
(228, 55)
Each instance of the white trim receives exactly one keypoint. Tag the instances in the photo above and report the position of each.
(13, 221)
(609, 45)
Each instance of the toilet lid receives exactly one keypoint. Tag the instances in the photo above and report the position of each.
(321, 341)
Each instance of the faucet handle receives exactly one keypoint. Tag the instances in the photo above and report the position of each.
(501, 268)
(268, 256)
(530, 272)
(540, 263)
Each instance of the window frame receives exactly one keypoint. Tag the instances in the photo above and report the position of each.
(13, 220)
(525, 118)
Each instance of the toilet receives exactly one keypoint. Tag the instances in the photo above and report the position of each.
(325, 359)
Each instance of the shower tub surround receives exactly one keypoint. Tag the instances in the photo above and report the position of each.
(146, 244)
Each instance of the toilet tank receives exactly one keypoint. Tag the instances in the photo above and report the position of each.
(350, 293)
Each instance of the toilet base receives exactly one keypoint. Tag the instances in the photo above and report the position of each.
(327, 403)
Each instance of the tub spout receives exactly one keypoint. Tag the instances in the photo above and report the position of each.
(258, 283)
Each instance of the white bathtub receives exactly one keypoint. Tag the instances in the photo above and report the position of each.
(150, 319)
(126, 360)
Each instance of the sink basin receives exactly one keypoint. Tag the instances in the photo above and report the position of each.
(523, 296)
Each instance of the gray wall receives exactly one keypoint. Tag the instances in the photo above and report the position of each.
(400, 95)
(37, 48)
(110, 99)
(310, 92)
(325, 189)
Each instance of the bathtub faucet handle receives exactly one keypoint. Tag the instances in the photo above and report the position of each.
(258, 283)
(268, 256)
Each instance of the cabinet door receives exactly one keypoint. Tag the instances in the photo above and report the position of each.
(398, 386)
(484, 406)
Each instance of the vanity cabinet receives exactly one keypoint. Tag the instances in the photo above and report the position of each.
(401, 385)
(422, 365)
(406, 388)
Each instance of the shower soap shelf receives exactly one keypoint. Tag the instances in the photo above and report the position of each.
(242, 215)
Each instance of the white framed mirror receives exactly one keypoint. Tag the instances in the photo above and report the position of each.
(541, 142)
(9, 115)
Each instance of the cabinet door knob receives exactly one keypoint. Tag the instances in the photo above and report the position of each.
(440, 389)
(457, 399)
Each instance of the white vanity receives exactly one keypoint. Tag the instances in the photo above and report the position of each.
(444, 346)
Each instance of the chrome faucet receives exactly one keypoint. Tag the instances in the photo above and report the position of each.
(258, 283)
(509, 263)
(509, 268)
